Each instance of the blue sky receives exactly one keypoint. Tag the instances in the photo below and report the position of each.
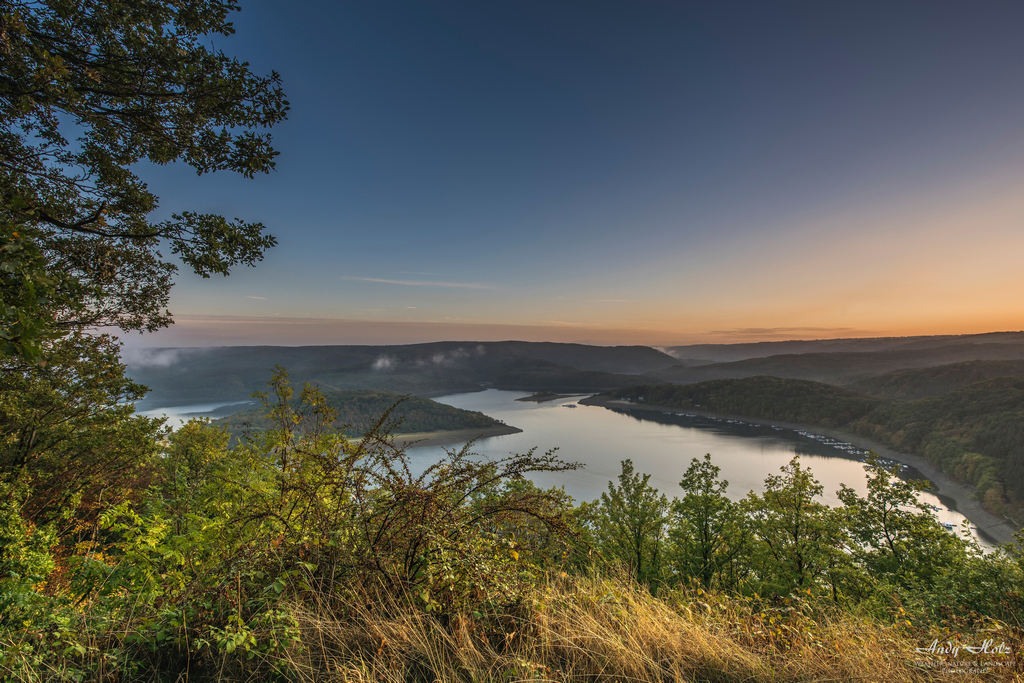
(624, 172)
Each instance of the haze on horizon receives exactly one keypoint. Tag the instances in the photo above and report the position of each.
(655, 173)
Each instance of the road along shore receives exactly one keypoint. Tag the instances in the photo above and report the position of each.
(995, 529)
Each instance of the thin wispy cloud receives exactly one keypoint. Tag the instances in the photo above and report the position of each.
(420, 283)
(261, 298)
(612, 301)
(765, 331)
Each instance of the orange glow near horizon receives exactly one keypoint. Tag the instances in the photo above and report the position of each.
(237, 331)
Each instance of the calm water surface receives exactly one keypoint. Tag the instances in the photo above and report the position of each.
(178, 415)
(659, 445)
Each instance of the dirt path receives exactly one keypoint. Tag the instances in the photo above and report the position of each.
(995, 529)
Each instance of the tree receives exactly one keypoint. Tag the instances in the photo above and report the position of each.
(88, 90)
(629, 523)
(706, 532)
(800, 540)
(896, 537)
(69, 436)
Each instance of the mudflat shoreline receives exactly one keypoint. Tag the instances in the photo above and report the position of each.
(997, 530)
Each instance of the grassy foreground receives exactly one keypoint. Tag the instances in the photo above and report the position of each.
(589, 629)
(600, 629)
(581, 628)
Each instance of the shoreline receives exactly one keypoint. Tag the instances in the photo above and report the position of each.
(455, 436)
(997, 530)
(534, 398)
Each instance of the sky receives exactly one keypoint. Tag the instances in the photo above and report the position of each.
(623, 172)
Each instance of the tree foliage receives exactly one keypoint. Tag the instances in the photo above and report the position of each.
(895, 535)
(799, 540)
(87, 91)
(26, 292)
(878, 548)
(629, 523)
(69, 432)
(707, 533)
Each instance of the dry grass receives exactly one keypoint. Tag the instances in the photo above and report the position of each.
(592, 629)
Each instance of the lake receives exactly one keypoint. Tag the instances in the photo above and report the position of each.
(659, 445)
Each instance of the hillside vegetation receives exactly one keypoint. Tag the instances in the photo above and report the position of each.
(907, 385)
(770, 398)
(975, 434)
(358, 411)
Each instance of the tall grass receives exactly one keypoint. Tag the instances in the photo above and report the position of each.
(601, 629)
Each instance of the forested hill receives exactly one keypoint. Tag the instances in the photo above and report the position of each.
(907, 385)
(771, 398)
(183, 375)
(359, 410)
(974, 433)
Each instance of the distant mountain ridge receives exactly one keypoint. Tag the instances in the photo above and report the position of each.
(845, 367)
(720, 353)
(228, 373)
